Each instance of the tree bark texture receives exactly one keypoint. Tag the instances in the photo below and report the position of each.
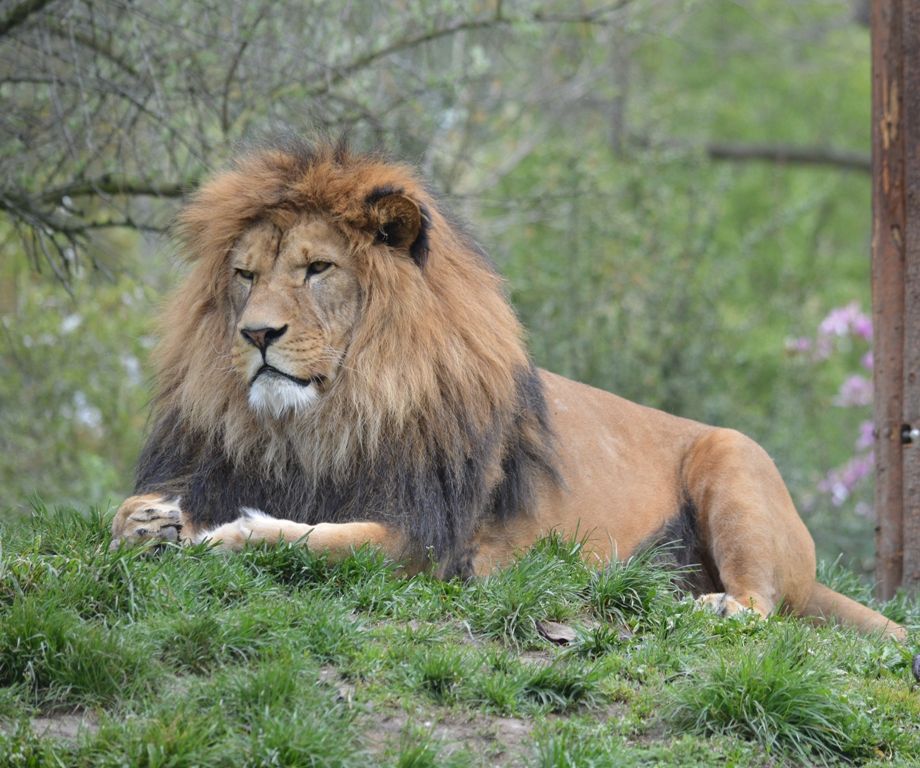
(896, 288)
(911, 372)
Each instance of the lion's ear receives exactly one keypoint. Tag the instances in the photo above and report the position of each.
(400, 223)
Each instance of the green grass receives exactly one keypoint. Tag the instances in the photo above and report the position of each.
(781, 694)
(629, 591)
(549, 583)
(275, 657)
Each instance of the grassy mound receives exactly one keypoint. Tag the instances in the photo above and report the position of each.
(274, 657)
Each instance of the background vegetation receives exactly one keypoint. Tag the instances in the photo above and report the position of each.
(673, 188)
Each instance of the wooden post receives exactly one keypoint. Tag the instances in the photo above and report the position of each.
(896, 288)
(911, 372)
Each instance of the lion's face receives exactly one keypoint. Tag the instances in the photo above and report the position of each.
(295, 299)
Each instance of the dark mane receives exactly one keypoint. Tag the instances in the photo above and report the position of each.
(439, 505)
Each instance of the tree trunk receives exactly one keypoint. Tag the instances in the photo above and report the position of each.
(896, 288)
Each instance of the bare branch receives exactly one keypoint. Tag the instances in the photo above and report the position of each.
(20, 14)
(791, 155)
(114, 104)
(96, 46)
(234, 65)
(781, 154)
(597, 16)
(111, 185)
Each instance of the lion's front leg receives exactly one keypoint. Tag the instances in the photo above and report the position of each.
(338, 540)
(149, 517)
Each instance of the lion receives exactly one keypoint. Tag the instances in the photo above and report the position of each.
(341, 367)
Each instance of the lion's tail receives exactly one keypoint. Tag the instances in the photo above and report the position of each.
(825, 605)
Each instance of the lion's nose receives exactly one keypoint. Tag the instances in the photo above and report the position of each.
(262, 338)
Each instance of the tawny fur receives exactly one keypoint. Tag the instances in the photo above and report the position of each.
(434, 400)
(416, 335)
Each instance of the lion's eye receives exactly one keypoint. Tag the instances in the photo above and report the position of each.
(245, 274)
(316, 267)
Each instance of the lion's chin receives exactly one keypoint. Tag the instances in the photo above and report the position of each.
(276, 396)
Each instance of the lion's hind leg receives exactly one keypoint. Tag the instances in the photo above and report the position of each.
(761, 552)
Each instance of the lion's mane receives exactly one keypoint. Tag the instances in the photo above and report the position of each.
(436, 422)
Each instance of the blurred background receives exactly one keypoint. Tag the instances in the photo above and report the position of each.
(677, 192)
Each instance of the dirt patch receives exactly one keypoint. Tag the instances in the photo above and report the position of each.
(382, 730)
(504, 741)
(345, 691)
(542, 657)
(64, 727)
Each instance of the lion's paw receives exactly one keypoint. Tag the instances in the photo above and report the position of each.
(723, 604)
(147, 518)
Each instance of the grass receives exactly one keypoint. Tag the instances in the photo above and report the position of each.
(276, 657)
(547, 583)
(783, 696)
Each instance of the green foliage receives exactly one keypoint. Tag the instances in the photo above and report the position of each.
(198, 642)
(304, 735)
(781, 695)
(599, 641)
(630, 589)
(563, 686)
(12, 703)
(440, 671)
(20, 748)
(45, 646)
(568, 748)
(542, 584)
(421, 750)
(74, 388)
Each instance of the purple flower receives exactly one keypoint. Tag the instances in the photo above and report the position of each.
(840, 483)
(855, 391)
(846, 321)
(837, 321)
(849, 319)
(862, 326)
(866, 437)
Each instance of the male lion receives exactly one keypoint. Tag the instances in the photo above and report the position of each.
(341, 366)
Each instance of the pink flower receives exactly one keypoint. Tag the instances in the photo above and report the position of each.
(862, 326)
(855, 391)
(867, 361)
(847, 320)
(837, 321)
(840, 483)
(866, 437)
